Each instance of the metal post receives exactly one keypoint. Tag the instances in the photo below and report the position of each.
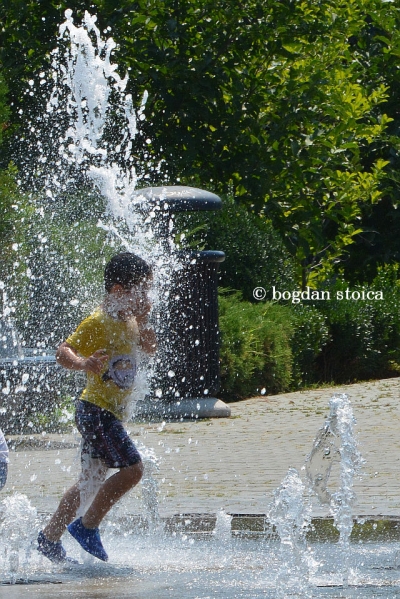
(188, 373)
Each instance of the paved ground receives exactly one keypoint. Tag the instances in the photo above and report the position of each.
(234, 463)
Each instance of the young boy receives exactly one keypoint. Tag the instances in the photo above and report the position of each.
(3, 460)
(105, 346)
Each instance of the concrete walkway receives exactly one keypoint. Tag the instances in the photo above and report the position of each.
(236, 463)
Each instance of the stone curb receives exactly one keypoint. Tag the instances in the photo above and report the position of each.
(365, 528)
(256, 526)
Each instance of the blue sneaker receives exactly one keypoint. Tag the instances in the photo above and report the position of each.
(88, 538)
(53, 550)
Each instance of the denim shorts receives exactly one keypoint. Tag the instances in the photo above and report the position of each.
(104, 436)
(3, 473)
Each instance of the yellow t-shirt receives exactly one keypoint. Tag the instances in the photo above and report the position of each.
(111, 388)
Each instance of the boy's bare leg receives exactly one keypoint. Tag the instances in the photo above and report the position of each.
(110, 492)
(90, 481)
(64, 514)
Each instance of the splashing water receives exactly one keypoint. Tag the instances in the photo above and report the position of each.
(290, 511)
(84, 182)
(86, 149)
(97, 147)
(150, 489)
(17, 531)
(222, 530)
(336, 444)
(88, 77)
(91, 81)
(290, 515)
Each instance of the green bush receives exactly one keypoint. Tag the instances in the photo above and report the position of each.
(364, 334)
(277, 347)
(255, 254)
(310, 336)
(255, 349)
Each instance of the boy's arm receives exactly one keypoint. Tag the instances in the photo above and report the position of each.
(147, 336)
(68, 357)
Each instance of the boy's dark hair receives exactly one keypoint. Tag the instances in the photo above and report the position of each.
(125, 269)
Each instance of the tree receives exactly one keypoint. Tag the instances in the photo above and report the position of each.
(377, 48)
(8, 187)
(266, 102)
(274, 103)
(13, 220)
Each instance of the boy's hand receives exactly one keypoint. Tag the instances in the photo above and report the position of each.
(95, 362)
(68, 357)
(148, 341)
(142, 308)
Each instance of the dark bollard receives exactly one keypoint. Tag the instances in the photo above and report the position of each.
(187, 376)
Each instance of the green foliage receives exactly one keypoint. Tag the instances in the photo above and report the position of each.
(282, 104)
(67, 243)
(14, 222)
(322, 122)
(310, 336)
(55, 418)
(14, 212)
(255, 349)
(268, 346)
(377, 48)
(364, 335)
(4, 109)
(265, 100)
(255, 254)
(11, 202)
(276, 347)
(9, 206)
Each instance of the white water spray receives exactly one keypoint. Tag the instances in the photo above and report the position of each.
(17, 531)
(290, 516)
(290, 511)
(91, 77)
(336, 444)
(223, 528)
(150, 488)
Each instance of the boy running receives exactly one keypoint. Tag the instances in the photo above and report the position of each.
(105, 346)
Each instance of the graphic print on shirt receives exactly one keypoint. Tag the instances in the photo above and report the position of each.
(122, 371)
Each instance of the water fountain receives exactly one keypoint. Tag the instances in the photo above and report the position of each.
(180, 558)
(18, 520)
(179, 563)
(336, 444)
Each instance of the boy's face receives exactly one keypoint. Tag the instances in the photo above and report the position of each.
(131, 302)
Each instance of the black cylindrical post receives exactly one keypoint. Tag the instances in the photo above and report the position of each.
(187, 375)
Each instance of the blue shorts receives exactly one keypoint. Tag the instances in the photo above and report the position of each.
(104, 436)
(3, 473)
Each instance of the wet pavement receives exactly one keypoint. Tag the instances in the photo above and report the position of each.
(233, 464)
